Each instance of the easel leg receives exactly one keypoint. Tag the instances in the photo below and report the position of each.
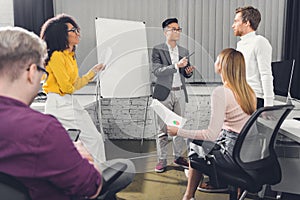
(145, 122)
(98, 107)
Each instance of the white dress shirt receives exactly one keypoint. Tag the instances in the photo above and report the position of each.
(257, 52)
(174, 54)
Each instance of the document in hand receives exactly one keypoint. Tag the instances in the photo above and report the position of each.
(105, 56)
(170, 118)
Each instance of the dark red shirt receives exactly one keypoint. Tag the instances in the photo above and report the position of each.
(36, 149)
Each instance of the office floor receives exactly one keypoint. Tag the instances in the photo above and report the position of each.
(149, 185)
(165, 186)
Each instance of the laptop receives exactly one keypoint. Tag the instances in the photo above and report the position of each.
(283, 74)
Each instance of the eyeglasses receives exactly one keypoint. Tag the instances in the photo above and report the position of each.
(74, 30)
(45, 73)
(174, 30)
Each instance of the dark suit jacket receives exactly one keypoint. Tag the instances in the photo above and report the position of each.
(164, 70)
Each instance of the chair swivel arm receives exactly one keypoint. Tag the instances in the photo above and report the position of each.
(110, 174)
(208, 146)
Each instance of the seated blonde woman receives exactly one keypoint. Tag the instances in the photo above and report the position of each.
(231, 106)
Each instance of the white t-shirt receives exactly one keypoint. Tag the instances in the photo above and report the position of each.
(257, 52)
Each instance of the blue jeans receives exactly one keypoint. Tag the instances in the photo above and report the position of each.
(224, 156)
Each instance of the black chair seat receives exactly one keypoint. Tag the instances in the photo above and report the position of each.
(239, 179)
(201, 165)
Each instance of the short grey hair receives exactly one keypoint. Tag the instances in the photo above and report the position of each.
(18, 48)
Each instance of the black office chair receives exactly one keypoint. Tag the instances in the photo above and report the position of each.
(254, 156)
(12, 189)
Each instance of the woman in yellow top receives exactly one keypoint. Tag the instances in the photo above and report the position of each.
(61, 33)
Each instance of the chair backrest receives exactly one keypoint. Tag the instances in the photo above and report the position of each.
(254, 149)
(12, 189)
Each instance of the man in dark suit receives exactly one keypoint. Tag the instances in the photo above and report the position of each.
(171, 67)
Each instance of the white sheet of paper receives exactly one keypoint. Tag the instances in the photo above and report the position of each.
(105, 56)
(170, 118)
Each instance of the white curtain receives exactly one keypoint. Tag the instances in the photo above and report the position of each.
(206, 25)
(7, 13)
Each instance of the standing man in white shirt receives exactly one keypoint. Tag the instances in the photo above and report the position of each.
(171, 67)
(257, 52)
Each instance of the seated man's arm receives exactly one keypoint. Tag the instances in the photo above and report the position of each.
(60, 163)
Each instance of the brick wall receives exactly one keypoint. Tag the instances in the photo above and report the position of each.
(125, 118)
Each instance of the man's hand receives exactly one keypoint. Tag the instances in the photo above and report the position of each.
(182, 63)
(83, 151)
(172, 130)
(189, 69)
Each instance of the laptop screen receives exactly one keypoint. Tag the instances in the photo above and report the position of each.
(282, 74)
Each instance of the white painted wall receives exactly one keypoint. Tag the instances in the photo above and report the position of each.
(206, 26)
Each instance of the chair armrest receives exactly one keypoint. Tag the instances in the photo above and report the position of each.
(207, 145)
(198, 142)
(11, 188)
(110, 174)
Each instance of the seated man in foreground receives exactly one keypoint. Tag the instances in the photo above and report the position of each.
(34, 147)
